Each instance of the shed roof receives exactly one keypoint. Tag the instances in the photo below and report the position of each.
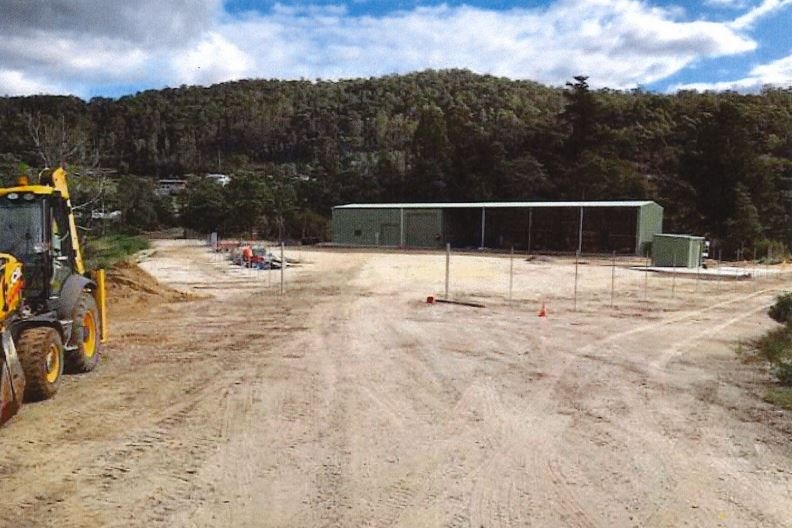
(672, 235)
(494, 205)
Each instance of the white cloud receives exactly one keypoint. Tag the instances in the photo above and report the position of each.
(85, 56)
(776, 73)
(763, 9)
(148, 23)
(13, 82)
(619, 43)
(212, 60)
(729, 4)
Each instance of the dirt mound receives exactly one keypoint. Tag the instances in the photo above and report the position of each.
(129, 286)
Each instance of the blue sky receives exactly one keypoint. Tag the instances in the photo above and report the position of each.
(113, 47)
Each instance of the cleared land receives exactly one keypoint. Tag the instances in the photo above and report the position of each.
(349, 402)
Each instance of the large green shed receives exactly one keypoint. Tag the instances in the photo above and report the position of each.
(682, 251)
(626, 227)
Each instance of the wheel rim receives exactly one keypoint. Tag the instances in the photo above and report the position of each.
(89, 335)
(53, 363)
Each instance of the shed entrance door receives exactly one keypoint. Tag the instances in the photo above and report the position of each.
(389, 235)
(419, 229)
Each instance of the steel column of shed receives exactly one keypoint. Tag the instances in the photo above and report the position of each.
(483, 225)
(401, 227)
(530, 227)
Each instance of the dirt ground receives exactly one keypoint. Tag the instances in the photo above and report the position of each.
(351, 402)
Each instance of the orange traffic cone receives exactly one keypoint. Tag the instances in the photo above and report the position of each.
(543, 311)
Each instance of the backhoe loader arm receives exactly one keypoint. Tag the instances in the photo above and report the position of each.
(57, 179)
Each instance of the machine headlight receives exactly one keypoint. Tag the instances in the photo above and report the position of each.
(12, 196)
(28, 196)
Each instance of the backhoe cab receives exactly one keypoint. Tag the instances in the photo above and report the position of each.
(53, 313)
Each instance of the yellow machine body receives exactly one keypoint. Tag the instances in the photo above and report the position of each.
(11, 285)
(12, 378)
(55, 182)
(12, 292)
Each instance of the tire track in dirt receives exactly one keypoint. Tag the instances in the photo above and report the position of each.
(405, 498)
(572, 511)
(643, 414)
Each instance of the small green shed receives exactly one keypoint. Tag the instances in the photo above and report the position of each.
(682, 251)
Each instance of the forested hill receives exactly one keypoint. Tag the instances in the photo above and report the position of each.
(718, 163)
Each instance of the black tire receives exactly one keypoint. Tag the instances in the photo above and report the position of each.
(40, 352)
(85, 336)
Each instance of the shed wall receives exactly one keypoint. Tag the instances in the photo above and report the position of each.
(423, 228)
(682, 251)
(366, 227)
(650, 223)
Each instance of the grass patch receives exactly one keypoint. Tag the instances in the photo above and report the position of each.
(105, 251)
(776, 345)
(781, 397)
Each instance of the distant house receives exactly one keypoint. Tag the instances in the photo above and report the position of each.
(170, 186)
(104, 215)
(222, 179)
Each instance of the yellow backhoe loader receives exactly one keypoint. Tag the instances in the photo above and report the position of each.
(53, 316)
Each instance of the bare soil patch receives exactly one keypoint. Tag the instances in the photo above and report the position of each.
(351, 402)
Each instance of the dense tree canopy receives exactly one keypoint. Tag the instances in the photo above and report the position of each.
(720, 163)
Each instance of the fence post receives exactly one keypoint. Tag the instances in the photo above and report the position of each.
(720, 258)
(577, 263)
(613, 278)
(646, 277)
(511, 273)
(447, 267)
(767, 261)
(698, 276)
(283, 268)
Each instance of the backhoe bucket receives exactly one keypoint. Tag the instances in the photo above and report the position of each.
(12, 380)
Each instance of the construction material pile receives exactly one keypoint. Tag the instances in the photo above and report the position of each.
(253, 256)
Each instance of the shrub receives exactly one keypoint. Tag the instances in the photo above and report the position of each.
(783, 371)
(776, 345)
(781, 311)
